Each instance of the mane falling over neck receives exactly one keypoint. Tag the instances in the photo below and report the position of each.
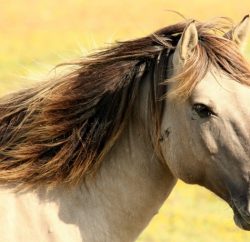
(60, 130)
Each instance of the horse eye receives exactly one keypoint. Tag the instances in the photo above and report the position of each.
(202, 110)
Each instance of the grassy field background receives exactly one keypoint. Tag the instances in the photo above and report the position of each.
(36, 35)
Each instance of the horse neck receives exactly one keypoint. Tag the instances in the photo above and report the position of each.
(125, 194)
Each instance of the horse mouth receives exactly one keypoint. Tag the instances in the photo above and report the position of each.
(241, 220)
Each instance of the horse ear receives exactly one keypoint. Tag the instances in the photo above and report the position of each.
(187, 42)
(239, 33)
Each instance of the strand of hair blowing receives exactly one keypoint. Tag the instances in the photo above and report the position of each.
(58, 132)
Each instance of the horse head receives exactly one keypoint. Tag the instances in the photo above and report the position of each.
(207, 121)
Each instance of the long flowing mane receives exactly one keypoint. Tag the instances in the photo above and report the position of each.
(60, 130)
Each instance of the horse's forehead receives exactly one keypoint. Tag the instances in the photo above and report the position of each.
(217, 87)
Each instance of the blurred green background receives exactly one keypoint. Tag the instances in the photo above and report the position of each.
(36, 35)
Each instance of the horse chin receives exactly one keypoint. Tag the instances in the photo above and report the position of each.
(241, 222)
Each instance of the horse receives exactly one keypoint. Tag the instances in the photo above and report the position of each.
(92, 154)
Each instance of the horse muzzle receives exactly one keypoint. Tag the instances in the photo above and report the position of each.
(241, 216)
(241, 221)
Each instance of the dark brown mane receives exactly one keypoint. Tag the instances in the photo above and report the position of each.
(60, 130)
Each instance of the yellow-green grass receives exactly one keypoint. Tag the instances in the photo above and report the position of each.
(36, 35)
